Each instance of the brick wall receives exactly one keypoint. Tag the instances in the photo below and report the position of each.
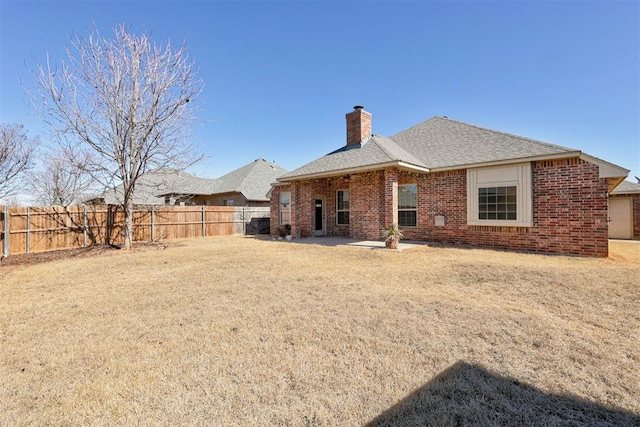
(339, 183)
(275, 208)
(442, 193)
(367, 207)
(569, 209)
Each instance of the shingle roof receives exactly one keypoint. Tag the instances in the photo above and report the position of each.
(437, 143)
(375, 151)
(627, 187)
(444, 143)
(151, 185)
(252, 180)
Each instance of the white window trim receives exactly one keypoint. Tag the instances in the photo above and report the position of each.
(503, 176)
(343, 210)
(408, 210)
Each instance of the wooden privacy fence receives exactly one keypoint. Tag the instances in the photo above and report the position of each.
(41, 229)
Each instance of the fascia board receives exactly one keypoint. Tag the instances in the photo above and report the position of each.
(564, 155)
(338, 172)
(607, 170)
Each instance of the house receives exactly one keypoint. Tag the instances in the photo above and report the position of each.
(248, 185)
(245, 186)
(624, 211)
(451, 182)
(157, 187)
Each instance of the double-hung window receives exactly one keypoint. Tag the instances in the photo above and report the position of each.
(285, 207)
(408, 205)
(342, 207)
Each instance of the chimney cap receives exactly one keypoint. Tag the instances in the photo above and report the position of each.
(358, 107)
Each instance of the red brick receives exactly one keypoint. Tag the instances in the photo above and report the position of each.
(569, 208)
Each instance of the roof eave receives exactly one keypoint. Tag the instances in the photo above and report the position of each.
(627, 192)
(607, 170)
(564, 155)
(358, 169)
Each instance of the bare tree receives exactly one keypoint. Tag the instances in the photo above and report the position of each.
(59, 180)
(124, 103)
(16, 157)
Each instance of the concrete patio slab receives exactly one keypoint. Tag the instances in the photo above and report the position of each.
(346, 241)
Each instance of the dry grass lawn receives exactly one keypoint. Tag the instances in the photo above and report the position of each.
(242, 331)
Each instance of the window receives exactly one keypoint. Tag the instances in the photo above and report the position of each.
(227, 202)
(407, 205)
(500, 195)
(497, 203)
(285, 207)
(342, 207)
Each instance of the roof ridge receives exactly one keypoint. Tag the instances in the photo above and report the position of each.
(402, 154)
(375, 138)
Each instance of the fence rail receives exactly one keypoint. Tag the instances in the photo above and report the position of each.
(42, 229)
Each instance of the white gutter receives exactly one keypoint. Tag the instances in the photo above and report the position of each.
(338, 172)
(564, 155)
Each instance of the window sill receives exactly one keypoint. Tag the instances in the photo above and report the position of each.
(499, 223)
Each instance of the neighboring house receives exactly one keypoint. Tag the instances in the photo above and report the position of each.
(248, 185)
(158, 187)
(245, 186)
(624, 211)
(451, 182)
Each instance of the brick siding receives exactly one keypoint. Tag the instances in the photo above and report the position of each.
(569, 209)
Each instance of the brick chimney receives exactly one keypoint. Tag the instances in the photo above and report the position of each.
(358, 125)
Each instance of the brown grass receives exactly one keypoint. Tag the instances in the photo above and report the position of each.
(241, 331)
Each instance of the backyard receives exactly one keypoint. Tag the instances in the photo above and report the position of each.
(248, 331)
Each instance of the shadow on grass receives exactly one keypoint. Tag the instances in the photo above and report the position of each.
(467, 394)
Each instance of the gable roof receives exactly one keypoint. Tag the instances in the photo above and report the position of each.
(441, 144)
(253, 180)
(376, 152)
(627, 187)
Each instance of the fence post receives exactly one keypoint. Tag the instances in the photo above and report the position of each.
(244, 223)
(153, 214)
(204, 228)
(28, 243)
(107, 233)
(6, 231)
(84, 226)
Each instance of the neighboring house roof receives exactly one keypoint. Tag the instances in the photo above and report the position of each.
(252, 180)
(440, 144)
(627, 187)
(152, 185)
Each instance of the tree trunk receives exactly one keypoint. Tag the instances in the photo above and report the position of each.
(128, 223)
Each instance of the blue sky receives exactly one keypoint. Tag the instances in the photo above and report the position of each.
(279, 76)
